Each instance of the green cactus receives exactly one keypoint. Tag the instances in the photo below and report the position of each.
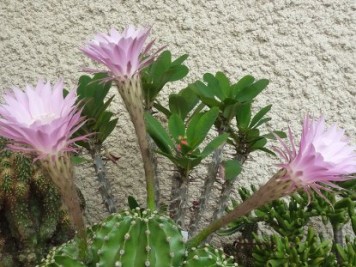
(208, 256)
(136, 238)
(31, 220)
(130, 239)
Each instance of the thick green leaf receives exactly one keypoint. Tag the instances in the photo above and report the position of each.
(107, 129)
(176, 127)
(176, 73)
(224, 85)
(243, 83)
(213, 86)
(179, 60)
(271, 135)
(133, 204)
(249, 93)
(243, 116)
(158, 134)
(232, 169)
(199, 131)
(262, 121)
(260, 115)
(214, 144)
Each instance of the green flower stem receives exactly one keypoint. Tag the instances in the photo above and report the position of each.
(272, 190)
(131, 93)
(60, 170)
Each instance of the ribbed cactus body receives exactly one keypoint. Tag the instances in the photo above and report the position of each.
(31, 219)
(129, 239)
(208, 257)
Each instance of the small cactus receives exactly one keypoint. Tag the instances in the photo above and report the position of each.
(31, 219)
(130, 239)
(208, 256)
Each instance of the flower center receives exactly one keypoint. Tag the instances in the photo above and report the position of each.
(43, 118)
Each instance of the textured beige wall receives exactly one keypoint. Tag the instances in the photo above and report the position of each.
(306, 48)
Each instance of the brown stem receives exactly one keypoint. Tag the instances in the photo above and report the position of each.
(207, 188)
(179, 198)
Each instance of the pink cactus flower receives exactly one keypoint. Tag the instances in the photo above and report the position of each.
(40, 119)
(324, 157)
(124, 54)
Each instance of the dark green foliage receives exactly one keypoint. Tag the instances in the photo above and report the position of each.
(217, 91)
(31, 219)
(131, 239)
(159, 73)
(92, 92)
(279, 251)
(182, 142)
(347, 253)
(208, 257)
(289, 219)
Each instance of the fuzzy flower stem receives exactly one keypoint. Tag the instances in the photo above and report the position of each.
(131, 93)
(275, 188)
(60, 170)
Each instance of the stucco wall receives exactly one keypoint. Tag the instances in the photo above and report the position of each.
(306, 49)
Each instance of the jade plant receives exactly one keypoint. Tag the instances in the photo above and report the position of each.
(206, 120)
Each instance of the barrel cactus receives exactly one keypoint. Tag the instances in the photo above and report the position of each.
(31, 219)
(208, 256)
(133, 238)
(136, 238)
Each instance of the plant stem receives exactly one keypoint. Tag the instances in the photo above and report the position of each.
(60, 170)
(338, 239)
(179, 197)
(275, 188)
(153, 148)
(104, 184)
(207, 188)
(226, 190)
(131, 93)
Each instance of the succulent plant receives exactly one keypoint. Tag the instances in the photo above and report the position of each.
(31, 219)
(130, 239)
(208, 256)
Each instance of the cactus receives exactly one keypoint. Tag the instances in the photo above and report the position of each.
(136, 238)
(208, 256)
(130, 239)
(31, 220)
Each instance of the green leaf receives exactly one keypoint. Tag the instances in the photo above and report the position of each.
(179, 60)
(77, 160)
(264, 120)
(158, 134)
(176, 127)
(271, 135)
(214, 144)
(243, 83)
(198, 130)
(224, 85)
(105, 131)
(133, 204)
(232, 169)
(249, 93)
(260, 115)
(243, 116)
